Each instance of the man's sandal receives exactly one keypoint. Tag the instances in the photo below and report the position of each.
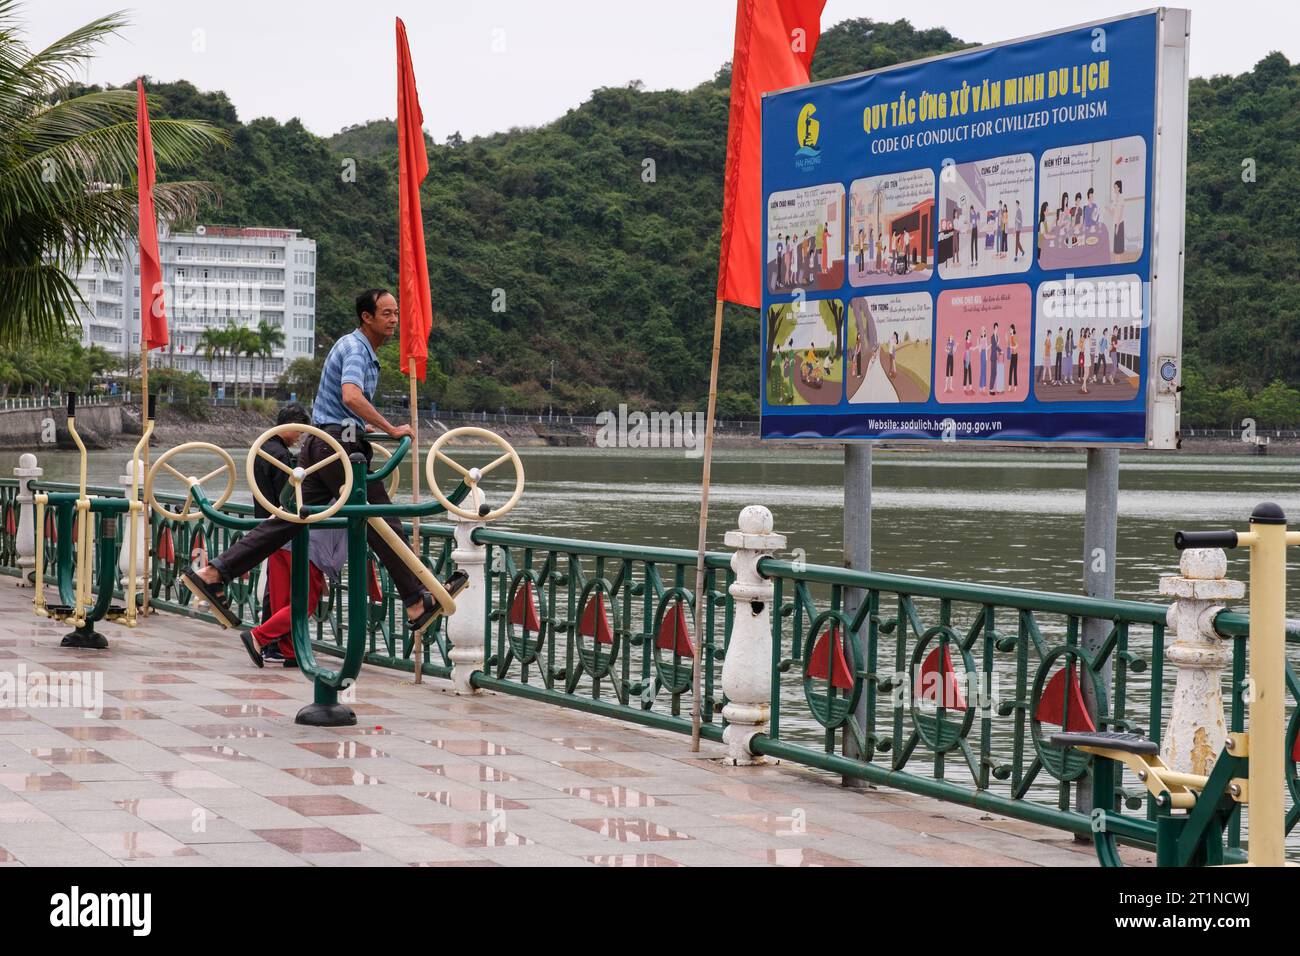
(214, 595)
(432, 609)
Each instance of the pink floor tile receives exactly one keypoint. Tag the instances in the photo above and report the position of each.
(470, 834)
(141, 693)
(615, 796)
(69, 755)
(343, 750)
(37, 782)
(213, 754)
(471, 773)
(471, 800)
(626, 830)
(334, 776)
(310, 840)
(322, 805)
(473, 748)
(794, 856)
(632, 859)
(228, 731)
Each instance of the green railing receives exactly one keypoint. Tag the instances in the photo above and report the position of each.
(860, 661)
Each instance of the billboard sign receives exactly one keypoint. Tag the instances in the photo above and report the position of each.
(981, 246)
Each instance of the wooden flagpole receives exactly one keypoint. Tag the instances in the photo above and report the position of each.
(697, 710)
(415, 499)
(144, 468)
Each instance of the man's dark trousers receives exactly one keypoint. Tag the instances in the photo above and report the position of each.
(319, 488)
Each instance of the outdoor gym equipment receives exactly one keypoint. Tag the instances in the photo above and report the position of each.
(352, 512)
(74, 539)
(1193, 810)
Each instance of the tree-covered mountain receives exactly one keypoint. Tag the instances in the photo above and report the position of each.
(554, 249)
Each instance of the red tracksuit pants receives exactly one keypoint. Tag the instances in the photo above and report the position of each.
(277, 626)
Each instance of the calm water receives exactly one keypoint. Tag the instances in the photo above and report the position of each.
(1012, 518)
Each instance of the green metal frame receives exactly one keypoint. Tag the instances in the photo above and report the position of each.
(353, 517)
(62, 568)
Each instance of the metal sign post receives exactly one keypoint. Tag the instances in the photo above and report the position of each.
(857, 555)
(1100, 519)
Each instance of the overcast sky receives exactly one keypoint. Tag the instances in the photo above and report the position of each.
(488, 65)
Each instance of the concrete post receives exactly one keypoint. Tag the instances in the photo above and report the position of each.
(747, 669)
(25, 535)
(465, 628)
(1196, 730)
(134, 530)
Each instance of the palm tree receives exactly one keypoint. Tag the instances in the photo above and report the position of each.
(67, 173)
(271, 338)
(212, 342)
(229, 339)
(237, 347)
(250, 344)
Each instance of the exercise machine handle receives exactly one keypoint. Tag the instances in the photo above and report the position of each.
(387, 467)
(1204, 539)
(153, 407)
(72, 404)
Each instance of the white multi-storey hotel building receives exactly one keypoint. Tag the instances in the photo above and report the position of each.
(214, 276)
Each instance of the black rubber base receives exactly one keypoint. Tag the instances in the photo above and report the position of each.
(85, 637)
(326, 715)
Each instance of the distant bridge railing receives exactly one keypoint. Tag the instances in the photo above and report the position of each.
(870, 688)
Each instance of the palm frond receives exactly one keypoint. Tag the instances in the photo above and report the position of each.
(68, 173)
(41, 74)
(40, 302)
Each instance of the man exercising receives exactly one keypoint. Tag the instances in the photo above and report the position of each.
(347, 389)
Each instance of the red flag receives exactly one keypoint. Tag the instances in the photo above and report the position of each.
(153, 309)
(413, 265)
(775, 42)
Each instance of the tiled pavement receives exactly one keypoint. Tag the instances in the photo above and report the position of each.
(196, 761)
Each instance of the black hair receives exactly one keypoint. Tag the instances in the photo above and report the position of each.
(293, 414)
(366, 302)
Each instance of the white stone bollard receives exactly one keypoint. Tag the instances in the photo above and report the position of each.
(747, 668)
(465, 627)
(1196, 731)
(135, 530)
(25, 535)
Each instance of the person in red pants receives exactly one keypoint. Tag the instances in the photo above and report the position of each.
(272, 640)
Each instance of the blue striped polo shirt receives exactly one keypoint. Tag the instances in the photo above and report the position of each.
(353, 361)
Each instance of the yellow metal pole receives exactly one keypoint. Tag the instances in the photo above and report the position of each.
(1267, 781)
(81, 587)
(409, 558)
(38, 602)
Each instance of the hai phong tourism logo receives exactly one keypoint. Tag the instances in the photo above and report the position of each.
(807, 131)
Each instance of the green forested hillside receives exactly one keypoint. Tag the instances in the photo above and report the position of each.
(611, 277)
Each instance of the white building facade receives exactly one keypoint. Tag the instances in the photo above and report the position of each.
(215, 277)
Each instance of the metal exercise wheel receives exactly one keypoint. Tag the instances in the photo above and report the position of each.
(472, 476)
(163, 463)
(297, 475)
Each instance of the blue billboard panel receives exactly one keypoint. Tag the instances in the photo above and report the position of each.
(963, 248)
